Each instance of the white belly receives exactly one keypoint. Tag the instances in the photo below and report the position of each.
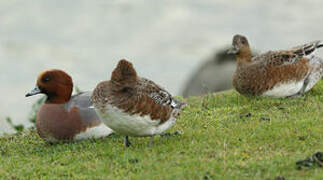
(284, 90)
(94, 132)
(132, 125)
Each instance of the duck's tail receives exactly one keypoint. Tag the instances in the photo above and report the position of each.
(178, 104)
(320, 44)
(307, 49)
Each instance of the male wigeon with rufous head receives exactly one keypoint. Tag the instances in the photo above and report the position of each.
(134, 106)
(64, 117)
(280, 73)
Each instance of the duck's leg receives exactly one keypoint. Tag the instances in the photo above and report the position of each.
(151, 141)
(302, 90)
(126, 141)
(306, 81)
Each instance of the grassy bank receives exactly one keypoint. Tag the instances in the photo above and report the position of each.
(222, 136)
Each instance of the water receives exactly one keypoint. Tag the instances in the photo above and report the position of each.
(165, 40)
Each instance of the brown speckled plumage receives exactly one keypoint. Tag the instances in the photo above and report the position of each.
(134, 106)
(256, 75)
(134, 95)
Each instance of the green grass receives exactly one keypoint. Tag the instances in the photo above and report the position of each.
(217, 140)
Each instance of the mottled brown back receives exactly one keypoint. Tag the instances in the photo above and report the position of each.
(255, 79)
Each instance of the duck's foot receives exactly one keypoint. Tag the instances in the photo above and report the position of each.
(151, 141)
(299, 94)
(127, 143)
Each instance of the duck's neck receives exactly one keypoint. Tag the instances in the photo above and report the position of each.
(54, 99)
(59, 97)
(244, 56)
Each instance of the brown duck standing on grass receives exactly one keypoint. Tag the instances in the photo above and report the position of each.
(284, 73)
(64, 117)
(134, 106)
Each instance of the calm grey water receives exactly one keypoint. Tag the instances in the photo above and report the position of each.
(165, 39)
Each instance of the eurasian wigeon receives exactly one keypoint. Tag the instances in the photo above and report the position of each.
(134, 106)
(284, 73)
(64, 117)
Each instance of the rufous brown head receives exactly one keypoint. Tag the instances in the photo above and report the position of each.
(55, 84)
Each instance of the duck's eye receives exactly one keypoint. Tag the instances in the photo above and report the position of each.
(46, 79)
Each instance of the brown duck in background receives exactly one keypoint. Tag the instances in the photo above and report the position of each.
(282, 73)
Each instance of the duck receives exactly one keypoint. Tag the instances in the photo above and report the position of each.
(134, 106)
(279, 73)
(64, 117)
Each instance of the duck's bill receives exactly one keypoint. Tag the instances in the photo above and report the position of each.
(232, 50)
(35, 91)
